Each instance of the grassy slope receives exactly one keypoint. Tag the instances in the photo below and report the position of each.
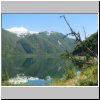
(88, 77)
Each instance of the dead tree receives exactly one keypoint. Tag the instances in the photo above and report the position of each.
(84, 33)
(77, 36)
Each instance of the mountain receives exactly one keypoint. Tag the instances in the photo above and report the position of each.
(21, 31)
(8, 42)
(41, 44)
(36, 54)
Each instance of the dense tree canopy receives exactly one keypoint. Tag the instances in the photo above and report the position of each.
(91, 42)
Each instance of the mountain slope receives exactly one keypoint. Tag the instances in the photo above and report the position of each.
(40, 43)
(8, 42)
(35, 55)
(91, 42)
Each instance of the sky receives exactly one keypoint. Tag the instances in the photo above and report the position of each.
(52, 22)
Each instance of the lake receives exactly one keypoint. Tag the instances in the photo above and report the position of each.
(30, 81)
(39, 82)
(36, 66)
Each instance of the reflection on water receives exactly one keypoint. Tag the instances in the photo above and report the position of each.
(33, 66)
(31, 81)
(28, 62)
(43, 67)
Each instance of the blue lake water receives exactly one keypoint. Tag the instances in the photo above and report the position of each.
(39, 82)
(78, 72)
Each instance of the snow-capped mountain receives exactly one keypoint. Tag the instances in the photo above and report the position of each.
(21, 31)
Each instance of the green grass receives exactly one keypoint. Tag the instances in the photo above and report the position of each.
(88, 77)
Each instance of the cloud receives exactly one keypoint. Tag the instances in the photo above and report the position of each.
(21, 31)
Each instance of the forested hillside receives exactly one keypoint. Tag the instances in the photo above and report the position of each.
(91, 42)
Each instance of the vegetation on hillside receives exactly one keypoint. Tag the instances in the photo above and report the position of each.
(88, 77)
(91, 42)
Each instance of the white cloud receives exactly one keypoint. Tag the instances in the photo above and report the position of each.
(21, 31)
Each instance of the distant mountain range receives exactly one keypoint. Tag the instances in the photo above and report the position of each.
(39, 44)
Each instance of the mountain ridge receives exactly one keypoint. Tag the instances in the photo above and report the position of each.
(37, 44)
(33, 55)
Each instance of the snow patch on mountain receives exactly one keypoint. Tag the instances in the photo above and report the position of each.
(50, 33)
(59, 43)
(21, 31)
